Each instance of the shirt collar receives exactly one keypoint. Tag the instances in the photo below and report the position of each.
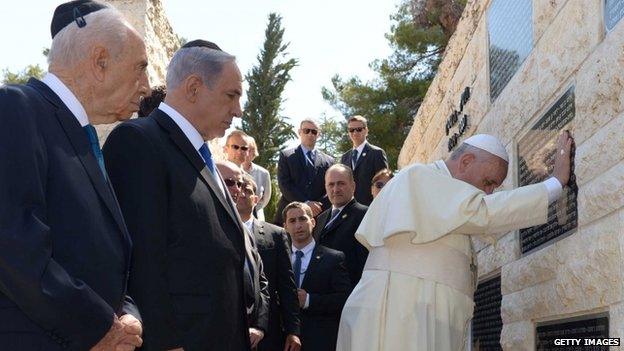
(67, 97)
(305, 149)
(306, 249)
(361, 147)
(187, 128)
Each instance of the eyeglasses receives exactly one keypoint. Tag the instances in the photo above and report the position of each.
(230, 182)
(379, 185)
(308, 131)
(236, 147)
(358, 129)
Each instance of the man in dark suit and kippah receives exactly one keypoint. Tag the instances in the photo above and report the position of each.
(64, 246)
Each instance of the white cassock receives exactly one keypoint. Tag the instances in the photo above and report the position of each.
(416, 292)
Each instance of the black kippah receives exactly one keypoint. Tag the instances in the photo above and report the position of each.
(201, 43)
(73, 11)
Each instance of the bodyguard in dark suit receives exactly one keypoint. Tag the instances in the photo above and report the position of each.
(272, 244)
(364, 159)
(257, 287)
(323, 279)
(337, 225)
(301, 171)
(64, 246)
(188, 266)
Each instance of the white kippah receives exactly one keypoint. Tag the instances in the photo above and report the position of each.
(488, 143)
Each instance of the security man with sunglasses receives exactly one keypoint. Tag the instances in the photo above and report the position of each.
(301, 172)
(364, 159)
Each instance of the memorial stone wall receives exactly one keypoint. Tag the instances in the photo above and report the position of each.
(523, 70)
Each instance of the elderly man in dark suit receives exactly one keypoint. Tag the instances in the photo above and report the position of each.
(188, 268)
(364, 159)
(272, 243)
(322, 278)
(301, 170)
(64, 246)
(337, 225)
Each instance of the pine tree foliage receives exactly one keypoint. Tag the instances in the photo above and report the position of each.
(391, 100)
(262, 117)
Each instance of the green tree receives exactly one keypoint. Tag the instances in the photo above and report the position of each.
(391, 100)
(22, 76)
(333, 140)
(261, 116)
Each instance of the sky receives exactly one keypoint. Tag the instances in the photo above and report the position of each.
(328, 37)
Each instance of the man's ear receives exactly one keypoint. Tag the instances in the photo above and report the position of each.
(313, 222)
(465, 160)
(99, 60)
(192, 84)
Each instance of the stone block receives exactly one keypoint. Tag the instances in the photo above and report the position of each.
(544, 11)
(572, 36)
(616, 320)
(602, 195)
(519, 336)
(600, 86)
(603, 150)
(503, 252)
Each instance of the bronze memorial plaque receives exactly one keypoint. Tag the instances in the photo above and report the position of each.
(613, 12)
(486, 321)
(536, 152)
(510, 32)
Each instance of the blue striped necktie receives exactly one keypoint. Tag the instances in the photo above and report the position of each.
(95, 147)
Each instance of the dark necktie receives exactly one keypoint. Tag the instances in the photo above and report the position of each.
(311, 157)
(297, 267)
(354, 158)
(334, 214)
(95, 147)
(207, 156)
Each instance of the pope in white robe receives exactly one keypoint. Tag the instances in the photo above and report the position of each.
(416, 291)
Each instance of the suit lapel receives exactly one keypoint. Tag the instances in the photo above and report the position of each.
(80, 143)
(312, 266)
(342, 217)
(195, 159)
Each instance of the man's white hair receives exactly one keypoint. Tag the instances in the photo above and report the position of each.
(201, 61)
(72, 44)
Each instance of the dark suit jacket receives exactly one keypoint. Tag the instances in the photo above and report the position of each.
(372, 160)
(259, 317)
(189, 252)
(340, 235)
(327, 282)
(296, 183)
(64, 247)
(272, 244)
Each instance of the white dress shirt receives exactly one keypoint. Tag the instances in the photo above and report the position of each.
(305, 261)
(67, 97)
(305, 153)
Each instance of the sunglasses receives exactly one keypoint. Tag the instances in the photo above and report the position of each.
(308, 131)
(379, 185)
(231, 182)
(358, 129)
(236, 147)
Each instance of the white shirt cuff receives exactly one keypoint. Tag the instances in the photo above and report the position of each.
(554, 188)
(307, 302)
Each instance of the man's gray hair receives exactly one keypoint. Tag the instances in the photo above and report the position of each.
(201, 61)
(311, 121)
(72, 44)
